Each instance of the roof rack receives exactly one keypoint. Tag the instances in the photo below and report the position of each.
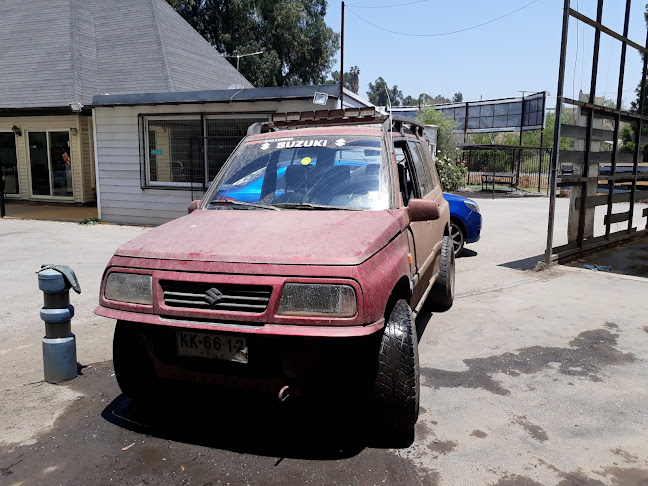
(354, 116)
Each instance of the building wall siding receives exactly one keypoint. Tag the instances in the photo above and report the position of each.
(80, 157)
(118, 154)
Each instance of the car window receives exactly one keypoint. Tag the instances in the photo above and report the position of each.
(421, 168)
(430, 161)
(342, 172)
(406, 172)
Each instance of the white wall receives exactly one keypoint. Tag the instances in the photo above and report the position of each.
(121, 198)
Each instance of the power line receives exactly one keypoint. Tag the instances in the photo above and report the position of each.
(442, 33)
(388, 6)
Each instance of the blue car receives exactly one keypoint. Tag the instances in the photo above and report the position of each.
(465, 221)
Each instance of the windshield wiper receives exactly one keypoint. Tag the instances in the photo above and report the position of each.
(231, 202)
(303, 205)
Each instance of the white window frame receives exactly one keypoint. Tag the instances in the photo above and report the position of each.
(49, 166)
(179, 117)
(156, 184)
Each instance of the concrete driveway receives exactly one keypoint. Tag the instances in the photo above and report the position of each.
(530, 379)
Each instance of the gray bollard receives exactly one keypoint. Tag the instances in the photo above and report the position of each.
(59, 344)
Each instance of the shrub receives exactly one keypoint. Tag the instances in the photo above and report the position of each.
(451, 173)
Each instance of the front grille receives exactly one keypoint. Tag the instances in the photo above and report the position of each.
(229, 297)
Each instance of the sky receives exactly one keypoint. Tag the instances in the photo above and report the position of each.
(518, 52)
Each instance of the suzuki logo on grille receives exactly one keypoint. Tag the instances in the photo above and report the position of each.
(213, 295)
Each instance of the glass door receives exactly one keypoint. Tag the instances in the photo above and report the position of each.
(9, 162)
(50, 163)
(61, 164)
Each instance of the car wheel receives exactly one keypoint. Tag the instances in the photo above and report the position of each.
(397, 385)
(442, 294)
(133, 366)
(457, 236)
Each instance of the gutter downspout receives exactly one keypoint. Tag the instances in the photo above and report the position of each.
(96, 162)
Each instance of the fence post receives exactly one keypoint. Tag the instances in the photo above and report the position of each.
(540, 169)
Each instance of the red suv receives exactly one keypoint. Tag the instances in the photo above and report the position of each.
(308, 259)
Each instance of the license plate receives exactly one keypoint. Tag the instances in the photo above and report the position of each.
(217, 346)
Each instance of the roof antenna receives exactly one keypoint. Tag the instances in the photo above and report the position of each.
(391, 121)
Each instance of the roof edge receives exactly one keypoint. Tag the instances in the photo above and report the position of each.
(216, 96)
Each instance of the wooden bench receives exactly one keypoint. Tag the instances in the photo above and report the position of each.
(500, 178)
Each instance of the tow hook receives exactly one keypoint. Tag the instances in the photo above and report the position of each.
(284, 393)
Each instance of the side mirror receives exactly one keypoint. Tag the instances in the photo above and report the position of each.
(422, 210)
(193, 205)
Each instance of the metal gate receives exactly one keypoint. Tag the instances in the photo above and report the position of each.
(599, 177)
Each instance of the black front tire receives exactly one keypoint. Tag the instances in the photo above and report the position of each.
(397, 386)
(134, 368)
(442, 293)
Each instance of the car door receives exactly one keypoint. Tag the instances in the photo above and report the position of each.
(434, 192)
(413, 184)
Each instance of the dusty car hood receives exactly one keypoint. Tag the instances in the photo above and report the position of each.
(293, 237)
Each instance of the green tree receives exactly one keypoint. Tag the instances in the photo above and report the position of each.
(298, 47)
(336, 79)
(458, 97)
(426, 99)
(446, 139)
(380, 94)
(351, 79)
(410, 101)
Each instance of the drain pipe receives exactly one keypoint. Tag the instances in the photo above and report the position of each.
(59, 344)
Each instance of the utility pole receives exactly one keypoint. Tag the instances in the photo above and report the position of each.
(522, 119)
(342, 60)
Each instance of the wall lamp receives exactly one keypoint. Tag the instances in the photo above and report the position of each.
(17, 130)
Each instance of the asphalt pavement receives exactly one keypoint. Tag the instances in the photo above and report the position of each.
(531, 378)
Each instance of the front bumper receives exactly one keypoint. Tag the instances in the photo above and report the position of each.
(244, 327)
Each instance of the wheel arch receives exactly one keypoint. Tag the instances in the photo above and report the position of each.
(401, 290)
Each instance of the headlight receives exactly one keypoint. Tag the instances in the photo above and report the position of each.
(129, 287)
(472, 205)
(318, 300)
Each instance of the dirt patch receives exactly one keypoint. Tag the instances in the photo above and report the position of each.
(478, 433)
(588, 353)
(442, 447)
(611, 325)
(625, 455)
(516, 480)
(617, 475)
(534, 431)
(103, 438)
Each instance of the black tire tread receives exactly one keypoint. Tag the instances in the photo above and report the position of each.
(442, 293)
(397, 387)
(134, 369)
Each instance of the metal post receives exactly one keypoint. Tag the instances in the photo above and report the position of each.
(59, 344)
(638, 133)
(494, 168)
(541, 160)
(617, 122)
(342, 60)
(522, 119)
(556, 145)
(2, 203)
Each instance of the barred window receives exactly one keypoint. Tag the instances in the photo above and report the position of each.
(189, 150)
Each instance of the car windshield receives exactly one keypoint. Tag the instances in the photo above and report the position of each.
(319, 172)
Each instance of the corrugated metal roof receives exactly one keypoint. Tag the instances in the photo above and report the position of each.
(56, 52)
(217, 96)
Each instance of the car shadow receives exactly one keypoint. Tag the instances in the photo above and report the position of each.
(467, 253)
(247, 422)
(523, 264)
